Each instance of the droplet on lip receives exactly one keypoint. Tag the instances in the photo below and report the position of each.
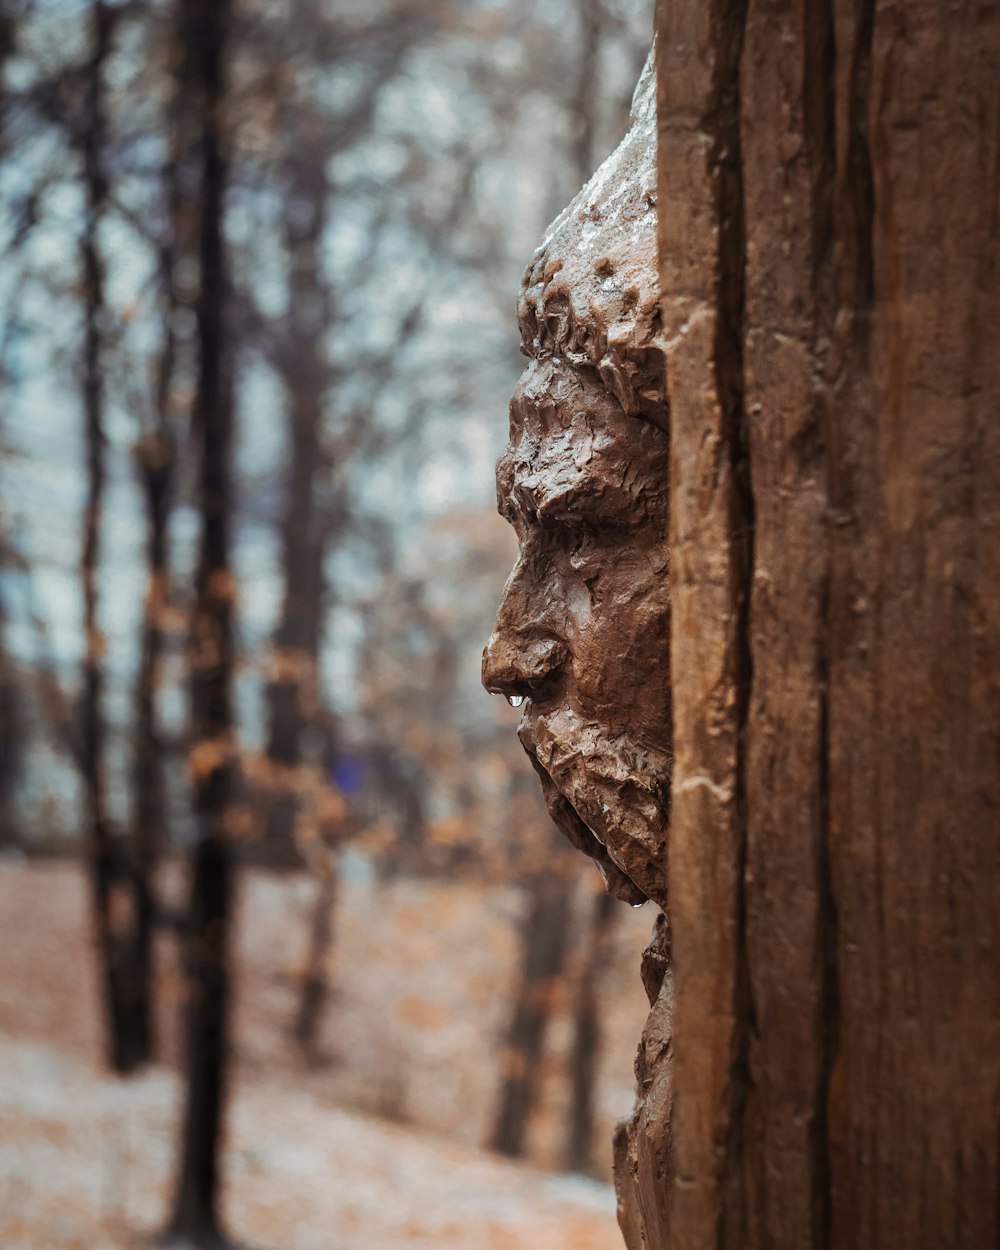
(515, 700)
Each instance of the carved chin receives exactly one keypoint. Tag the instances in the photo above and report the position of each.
(573, 828)
(610, 800)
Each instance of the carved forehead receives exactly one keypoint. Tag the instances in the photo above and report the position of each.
(570, 436)
(591, 292)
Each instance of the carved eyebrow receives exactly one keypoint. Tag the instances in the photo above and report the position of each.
(541, 479)
(584, 491)
(598, 498)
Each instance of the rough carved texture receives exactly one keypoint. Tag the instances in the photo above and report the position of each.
(584, 483)
(591, 295)
(582, 632)
(642, 1160)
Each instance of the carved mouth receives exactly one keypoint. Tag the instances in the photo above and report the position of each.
(569, 822)
(608, 794)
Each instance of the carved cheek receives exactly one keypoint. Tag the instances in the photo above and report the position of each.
(590, 677)
(590, 633)
(618, 634)
(643, 601)
(648, 645)
(647, 650)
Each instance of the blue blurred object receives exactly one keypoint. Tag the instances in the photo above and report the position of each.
(348, 773)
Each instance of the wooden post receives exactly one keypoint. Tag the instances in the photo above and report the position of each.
(828, 209)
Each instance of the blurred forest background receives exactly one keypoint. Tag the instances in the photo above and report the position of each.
(257, 338)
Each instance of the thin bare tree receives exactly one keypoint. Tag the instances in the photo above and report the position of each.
(113, 900)
(203, 33)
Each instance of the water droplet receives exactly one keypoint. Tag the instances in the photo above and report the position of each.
(515, 700)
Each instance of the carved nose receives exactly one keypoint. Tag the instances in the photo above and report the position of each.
(518, 664)
(523, 655)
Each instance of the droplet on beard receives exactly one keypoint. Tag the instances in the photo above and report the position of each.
(515, 700)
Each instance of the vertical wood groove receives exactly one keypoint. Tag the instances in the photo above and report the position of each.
(819, 121)
(858, 191)
(702, 263)
(725, 161)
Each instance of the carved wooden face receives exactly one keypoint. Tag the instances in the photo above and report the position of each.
(582, 633)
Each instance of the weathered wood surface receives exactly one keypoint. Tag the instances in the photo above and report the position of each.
(828, 209)
(710, 531)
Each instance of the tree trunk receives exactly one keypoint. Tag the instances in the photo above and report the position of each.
(315, 983)
(13, 735)
(586, 1051)
(156, 468)
(112, 897)
(11, 729)
(591, 17)
(828, 209)
(203, 35)
(293, 692)
(544, 942)
(156, 460)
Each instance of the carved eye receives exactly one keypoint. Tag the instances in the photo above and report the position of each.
(581, 529)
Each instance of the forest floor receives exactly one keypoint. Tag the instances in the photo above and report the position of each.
(86, 1160)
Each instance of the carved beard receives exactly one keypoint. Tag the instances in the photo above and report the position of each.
(610, 797)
